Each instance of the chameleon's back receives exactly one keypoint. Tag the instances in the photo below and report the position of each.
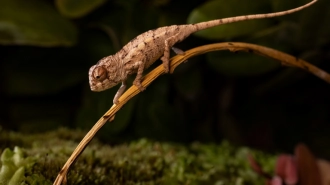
(149, 46)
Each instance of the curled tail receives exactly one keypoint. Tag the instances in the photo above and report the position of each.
(209, 24)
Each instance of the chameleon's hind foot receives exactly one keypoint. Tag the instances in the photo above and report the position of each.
(166, 63)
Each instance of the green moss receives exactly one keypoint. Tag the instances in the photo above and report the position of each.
(141, 162)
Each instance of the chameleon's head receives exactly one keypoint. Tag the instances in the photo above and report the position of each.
(103, 75)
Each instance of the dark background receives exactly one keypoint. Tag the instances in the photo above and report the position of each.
(47, 48)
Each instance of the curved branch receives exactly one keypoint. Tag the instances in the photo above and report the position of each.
(284, 58)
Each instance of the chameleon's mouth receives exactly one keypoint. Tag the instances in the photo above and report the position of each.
(93, 89)
(92, 83)
(93, 86)
(96, 87)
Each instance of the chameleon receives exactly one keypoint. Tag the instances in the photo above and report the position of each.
(146, 48)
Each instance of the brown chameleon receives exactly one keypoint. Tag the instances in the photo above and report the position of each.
(146, 48)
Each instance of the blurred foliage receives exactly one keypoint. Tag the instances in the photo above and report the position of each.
(215, 9)
(35, 23)
(137, 162)
(13, 167)
(47, 48)
(76, 9)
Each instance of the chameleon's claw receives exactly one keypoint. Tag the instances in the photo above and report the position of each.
(141, 88)
(115, 100)
(138, 84)
(166, 69)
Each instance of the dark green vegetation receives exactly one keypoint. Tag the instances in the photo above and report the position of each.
(141, 162)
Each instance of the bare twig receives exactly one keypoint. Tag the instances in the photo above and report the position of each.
(284, 58)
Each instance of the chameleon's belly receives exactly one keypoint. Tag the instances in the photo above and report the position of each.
(147, 58)
(151, 57)
(152, 48)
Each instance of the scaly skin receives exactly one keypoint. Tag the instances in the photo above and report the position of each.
(146, 48)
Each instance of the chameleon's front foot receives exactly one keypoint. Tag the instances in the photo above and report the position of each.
(119, 92)
(138, 84)
(116, 98)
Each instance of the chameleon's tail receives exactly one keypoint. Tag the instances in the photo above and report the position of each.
(208, 24)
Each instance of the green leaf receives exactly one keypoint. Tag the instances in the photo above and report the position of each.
(77, 8)
(18, 177)
(280, 5)
(240, 64)
(317, 18)
(218, 9)
(34, 22)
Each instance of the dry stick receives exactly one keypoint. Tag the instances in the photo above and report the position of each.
(284, 58)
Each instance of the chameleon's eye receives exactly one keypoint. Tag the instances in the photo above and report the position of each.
(100, 73)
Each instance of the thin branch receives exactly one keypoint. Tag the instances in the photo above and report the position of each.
(284, 58)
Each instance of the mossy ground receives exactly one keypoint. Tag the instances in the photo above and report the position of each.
(138, 162)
